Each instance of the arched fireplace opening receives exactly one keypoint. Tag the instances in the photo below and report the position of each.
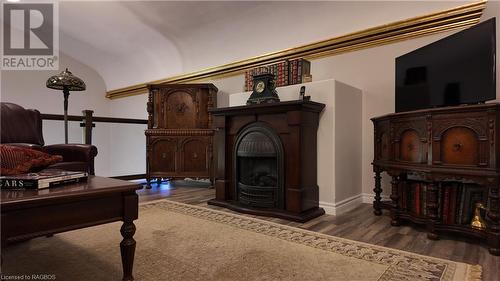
(258, 167)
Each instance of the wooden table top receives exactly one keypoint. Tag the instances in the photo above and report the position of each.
(93, 186)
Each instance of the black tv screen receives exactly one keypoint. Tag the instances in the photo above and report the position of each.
(458, 69)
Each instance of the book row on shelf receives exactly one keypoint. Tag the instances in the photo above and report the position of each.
(456, 201)
(286, 73)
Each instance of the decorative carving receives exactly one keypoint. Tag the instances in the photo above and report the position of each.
(180, 132)
(491, 127)
(377, 208)
(418, 125)
(477, 124)
(181, 108)
(395, 199)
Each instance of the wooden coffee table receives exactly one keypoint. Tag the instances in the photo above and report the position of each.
(31, 213)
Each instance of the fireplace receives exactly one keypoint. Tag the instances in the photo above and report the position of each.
(266, 159)
(258, 167)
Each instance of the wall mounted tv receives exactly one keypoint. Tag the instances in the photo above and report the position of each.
(458, 69)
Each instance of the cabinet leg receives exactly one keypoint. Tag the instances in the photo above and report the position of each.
(377, 208)
(432, 235)
(493, 214)
(432, 210)
(494, 251)
(148, 182)
(395, 204)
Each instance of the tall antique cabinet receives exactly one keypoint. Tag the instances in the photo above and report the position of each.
(179, 135)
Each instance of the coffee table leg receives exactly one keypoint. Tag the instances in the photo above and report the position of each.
(127, 249)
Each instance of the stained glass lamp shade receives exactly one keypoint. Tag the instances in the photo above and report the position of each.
(66, 82)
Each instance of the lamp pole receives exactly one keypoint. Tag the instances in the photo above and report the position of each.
(66, 96)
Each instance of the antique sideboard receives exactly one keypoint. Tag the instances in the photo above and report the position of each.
(442, 162)
(179, 135)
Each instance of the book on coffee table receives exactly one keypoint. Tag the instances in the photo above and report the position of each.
(43, 179)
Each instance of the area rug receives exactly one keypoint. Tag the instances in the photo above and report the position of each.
(176, 241)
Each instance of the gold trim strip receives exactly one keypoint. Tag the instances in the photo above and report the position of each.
(455, 18)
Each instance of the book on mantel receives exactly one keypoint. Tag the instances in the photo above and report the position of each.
(43, 179)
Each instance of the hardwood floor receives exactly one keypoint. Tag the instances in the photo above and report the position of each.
(359, 224)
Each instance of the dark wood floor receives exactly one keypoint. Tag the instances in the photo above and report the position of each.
(360, 225)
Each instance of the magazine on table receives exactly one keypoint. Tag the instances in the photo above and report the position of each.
(43, 179)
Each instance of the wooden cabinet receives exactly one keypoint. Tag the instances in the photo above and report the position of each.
(179, 136)
(452, 150)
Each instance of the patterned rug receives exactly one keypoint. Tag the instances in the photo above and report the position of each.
(176, 241)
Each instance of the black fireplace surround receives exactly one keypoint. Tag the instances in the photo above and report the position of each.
(258, 167)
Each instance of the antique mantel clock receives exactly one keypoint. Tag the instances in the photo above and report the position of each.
(264, 90)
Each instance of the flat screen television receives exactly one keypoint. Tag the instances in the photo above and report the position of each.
(458, 69)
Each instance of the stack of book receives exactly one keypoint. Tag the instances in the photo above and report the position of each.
(286, 73)
(456, 200)
(44, 179)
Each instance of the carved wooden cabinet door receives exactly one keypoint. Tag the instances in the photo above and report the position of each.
(162, 154)
(181, 110)
(383, 141)
(460, 140)
(410, 140)
(195, 154)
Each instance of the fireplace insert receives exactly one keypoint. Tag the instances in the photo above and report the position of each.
(259, 167)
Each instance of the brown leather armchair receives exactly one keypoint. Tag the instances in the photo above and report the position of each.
(23, 127)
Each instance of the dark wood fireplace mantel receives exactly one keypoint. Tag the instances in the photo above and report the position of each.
(292, 127)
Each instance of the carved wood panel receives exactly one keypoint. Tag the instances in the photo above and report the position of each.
(410, 140)
(195, 154)
(181, 110)
(163, 155)
(461, 141)
(382, 141)
(411, 147)
(459, 145)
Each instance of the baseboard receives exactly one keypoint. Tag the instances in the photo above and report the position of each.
(368, 197)
(343, 206)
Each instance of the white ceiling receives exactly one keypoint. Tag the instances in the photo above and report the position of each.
(138, 41)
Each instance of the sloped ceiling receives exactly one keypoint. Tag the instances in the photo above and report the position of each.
(134, 42)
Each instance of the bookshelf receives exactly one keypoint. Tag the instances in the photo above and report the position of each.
(441, 163)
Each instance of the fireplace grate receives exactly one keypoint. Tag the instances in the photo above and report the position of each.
(264, 197)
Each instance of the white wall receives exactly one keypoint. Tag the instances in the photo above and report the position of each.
(348, 143)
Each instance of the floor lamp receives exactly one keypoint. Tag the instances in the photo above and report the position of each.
(66, 82)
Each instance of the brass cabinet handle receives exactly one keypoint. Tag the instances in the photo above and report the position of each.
(457, 146)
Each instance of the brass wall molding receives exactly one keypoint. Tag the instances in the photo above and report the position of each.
(451, 19)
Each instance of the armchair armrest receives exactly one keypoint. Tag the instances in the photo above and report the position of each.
(73, 152)
(26, 145)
